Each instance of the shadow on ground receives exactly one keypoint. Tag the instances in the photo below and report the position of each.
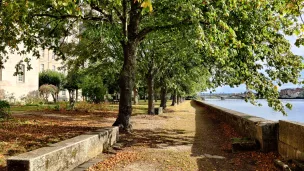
(156, 138)
(213, 138)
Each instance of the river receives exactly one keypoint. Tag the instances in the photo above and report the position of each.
(296, 114)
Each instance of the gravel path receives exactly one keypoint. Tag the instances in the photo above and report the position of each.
(186, 137)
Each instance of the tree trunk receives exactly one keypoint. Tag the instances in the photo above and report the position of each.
(178, 100)
(135, 94)
(71, 99)
(174, 98)
(76, 95)
(163, 102)
(150, 80)
(126, 85)
(130, 28)
(155, 96)
(145, 97)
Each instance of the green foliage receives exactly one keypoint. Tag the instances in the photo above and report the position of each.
(51, 77)
(73, 80)
(92, 87)
(236, 40)
(4, 109)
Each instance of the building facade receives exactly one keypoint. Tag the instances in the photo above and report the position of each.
(13, 88)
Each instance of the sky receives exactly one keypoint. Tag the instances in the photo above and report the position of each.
(242, 88)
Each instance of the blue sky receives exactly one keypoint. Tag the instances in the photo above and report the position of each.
(242, 88)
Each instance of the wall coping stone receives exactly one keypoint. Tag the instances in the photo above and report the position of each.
(67, 154)
(263, 130)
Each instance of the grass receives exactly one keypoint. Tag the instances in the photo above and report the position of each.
(26, 108)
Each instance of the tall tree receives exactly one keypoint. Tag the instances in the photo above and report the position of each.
(237, 38)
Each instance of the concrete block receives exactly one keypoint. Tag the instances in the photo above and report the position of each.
(65, 155)
(291, 138)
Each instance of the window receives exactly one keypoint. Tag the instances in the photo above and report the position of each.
(21, 76)
(41, 67)
(54, 68)
(63, 92)
(53, 56)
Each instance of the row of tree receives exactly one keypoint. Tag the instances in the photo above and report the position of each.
(52, 82)
(175, 45)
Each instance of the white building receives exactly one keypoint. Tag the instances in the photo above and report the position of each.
(47, 61)
(14, 87)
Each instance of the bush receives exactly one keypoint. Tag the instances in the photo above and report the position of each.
(92, 87)
(32, 98)
(4, 109)
(51, 77)
(47, 89)
(84, 106)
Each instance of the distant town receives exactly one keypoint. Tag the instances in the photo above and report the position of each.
(289, 93)
(292, 93)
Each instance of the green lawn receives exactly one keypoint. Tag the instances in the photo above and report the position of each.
(29, 108)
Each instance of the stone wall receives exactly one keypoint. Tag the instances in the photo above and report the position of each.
(65, 155)
(262, 130)
(291, 140)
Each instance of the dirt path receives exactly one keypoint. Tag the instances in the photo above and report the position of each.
(186, 137)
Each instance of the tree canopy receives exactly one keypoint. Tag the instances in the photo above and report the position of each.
(237, 42)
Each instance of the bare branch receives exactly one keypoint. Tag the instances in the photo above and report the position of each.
(71, 16)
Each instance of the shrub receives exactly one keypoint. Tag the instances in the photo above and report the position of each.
(93, 88)
(4, 109)
(47, 89)
(84, 106)
(32, 98)
(51, 77)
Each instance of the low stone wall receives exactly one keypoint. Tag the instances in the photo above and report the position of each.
(65, 155)
(291, 140)
(260, 129)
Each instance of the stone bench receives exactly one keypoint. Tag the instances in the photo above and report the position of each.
(65, 155)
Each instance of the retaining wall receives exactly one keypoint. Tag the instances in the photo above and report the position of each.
(65, 155)
(291, 140)
(260, 129)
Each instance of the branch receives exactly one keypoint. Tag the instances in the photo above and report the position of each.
(108, 16)
(124, 19)
(299, 11)
(141, 35)
(118, 14)
(71, 16)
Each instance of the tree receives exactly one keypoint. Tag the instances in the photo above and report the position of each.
(48, 89)
(72, 84)
(92, 87)
(237, 38)
(165, 55)
(51, 77)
